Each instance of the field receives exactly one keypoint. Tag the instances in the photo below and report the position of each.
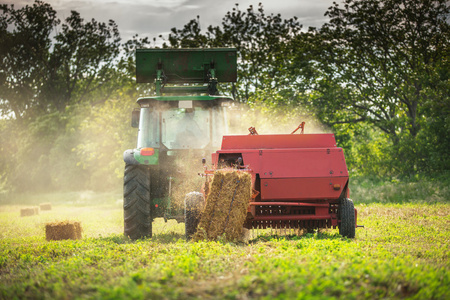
(403, 252)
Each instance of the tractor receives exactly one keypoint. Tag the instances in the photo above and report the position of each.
(299, 180)
(185, 119)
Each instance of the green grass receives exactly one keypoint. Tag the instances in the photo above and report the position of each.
(418, 190)
(403, 252)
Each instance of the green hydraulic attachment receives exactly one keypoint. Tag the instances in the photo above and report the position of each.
(203, 67)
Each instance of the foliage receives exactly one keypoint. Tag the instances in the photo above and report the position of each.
(24, 50)
(40, 74)
(50, 86)
(105, 133)
(261, 40)
(386, 63)
(82, 64)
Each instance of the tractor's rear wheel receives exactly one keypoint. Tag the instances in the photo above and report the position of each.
(136, 202)
(347, 226)
(193, 205)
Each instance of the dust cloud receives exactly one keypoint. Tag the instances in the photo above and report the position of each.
(82, 149)
(271, 121)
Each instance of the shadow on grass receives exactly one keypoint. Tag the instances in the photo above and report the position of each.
(173, 237)
(163, 238)
(294, 237)
(168, 238)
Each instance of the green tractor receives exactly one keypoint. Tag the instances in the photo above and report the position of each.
(183, 123)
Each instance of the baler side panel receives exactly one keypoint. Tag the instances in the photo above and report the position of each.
(304, 189)
(298, 174)
(295, 163)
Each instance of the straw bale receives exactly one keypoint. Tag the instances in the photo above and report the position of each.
(28, 211)
(63, 230)
(226, 206)
(45, 206)
(36, 210)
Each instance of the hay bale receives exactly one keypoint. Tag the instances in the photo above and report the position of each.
(36, 210)
(45, 206)
(226, 206)
(27, 211)
(63, 230)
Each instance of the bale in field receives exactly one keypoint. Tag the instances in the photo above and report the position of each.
(28, 211)
(45, 206)
(63, 230)
(226, 206)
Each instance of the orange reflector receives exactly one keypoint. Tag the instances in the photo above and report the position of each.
(337, 187)
(147, 151)
(156, 205)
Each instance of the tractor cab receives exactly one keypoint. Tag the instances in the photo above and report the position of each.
(186, 113)
(188, 123)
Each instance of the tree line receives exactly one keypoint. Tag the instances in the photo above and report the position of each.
(376, 74)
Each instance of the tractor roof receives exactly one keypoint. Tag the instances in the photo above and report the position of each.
(195, 67)
(186, 65)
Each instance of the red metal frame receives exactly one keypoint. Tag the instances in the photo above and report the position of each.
(297, 179)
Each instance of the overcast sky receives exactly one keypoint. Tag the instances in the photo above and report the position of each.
(150, 18)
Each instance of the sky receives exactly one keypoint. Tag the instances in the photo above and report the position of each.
(150, 18)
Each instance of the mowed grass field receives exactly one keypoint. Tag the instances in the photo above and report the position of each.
(403, 252)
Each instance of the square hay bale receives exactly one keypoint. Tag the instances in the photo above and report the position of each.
(226, 206)
(63, 230)
(45, 206)
(36, 210)
(28, 211)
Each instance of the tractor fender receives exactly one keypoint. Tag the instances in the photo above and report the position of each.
(128, 157)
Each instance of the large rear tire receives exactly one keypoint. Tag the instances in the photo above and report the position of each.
(347, 226)
(193, 206)
(137, 202)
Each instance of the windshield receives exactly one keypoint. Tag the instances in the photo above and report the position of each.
(186, 128)
(181, 128)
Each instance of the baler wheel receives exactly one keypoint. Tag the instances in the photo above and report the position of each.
(193, 206)
(136, 202)
(347, 212)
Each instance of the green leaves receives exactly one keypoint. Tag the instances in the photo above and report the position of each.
(41, 73)
(376, 60)
(263, 43)
(24, 49)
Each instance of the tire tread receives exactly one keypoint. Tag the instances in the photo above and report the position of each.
(137, 202)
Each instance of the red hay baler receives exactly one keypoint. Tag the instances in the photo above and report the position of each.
(299, 180)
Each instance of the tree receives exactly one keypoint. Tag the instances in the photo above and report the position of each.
(262, 42)
(24, 51)
(40, 74)
(48, 81)
(82, 62)
(385, 62)
(389, 57)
